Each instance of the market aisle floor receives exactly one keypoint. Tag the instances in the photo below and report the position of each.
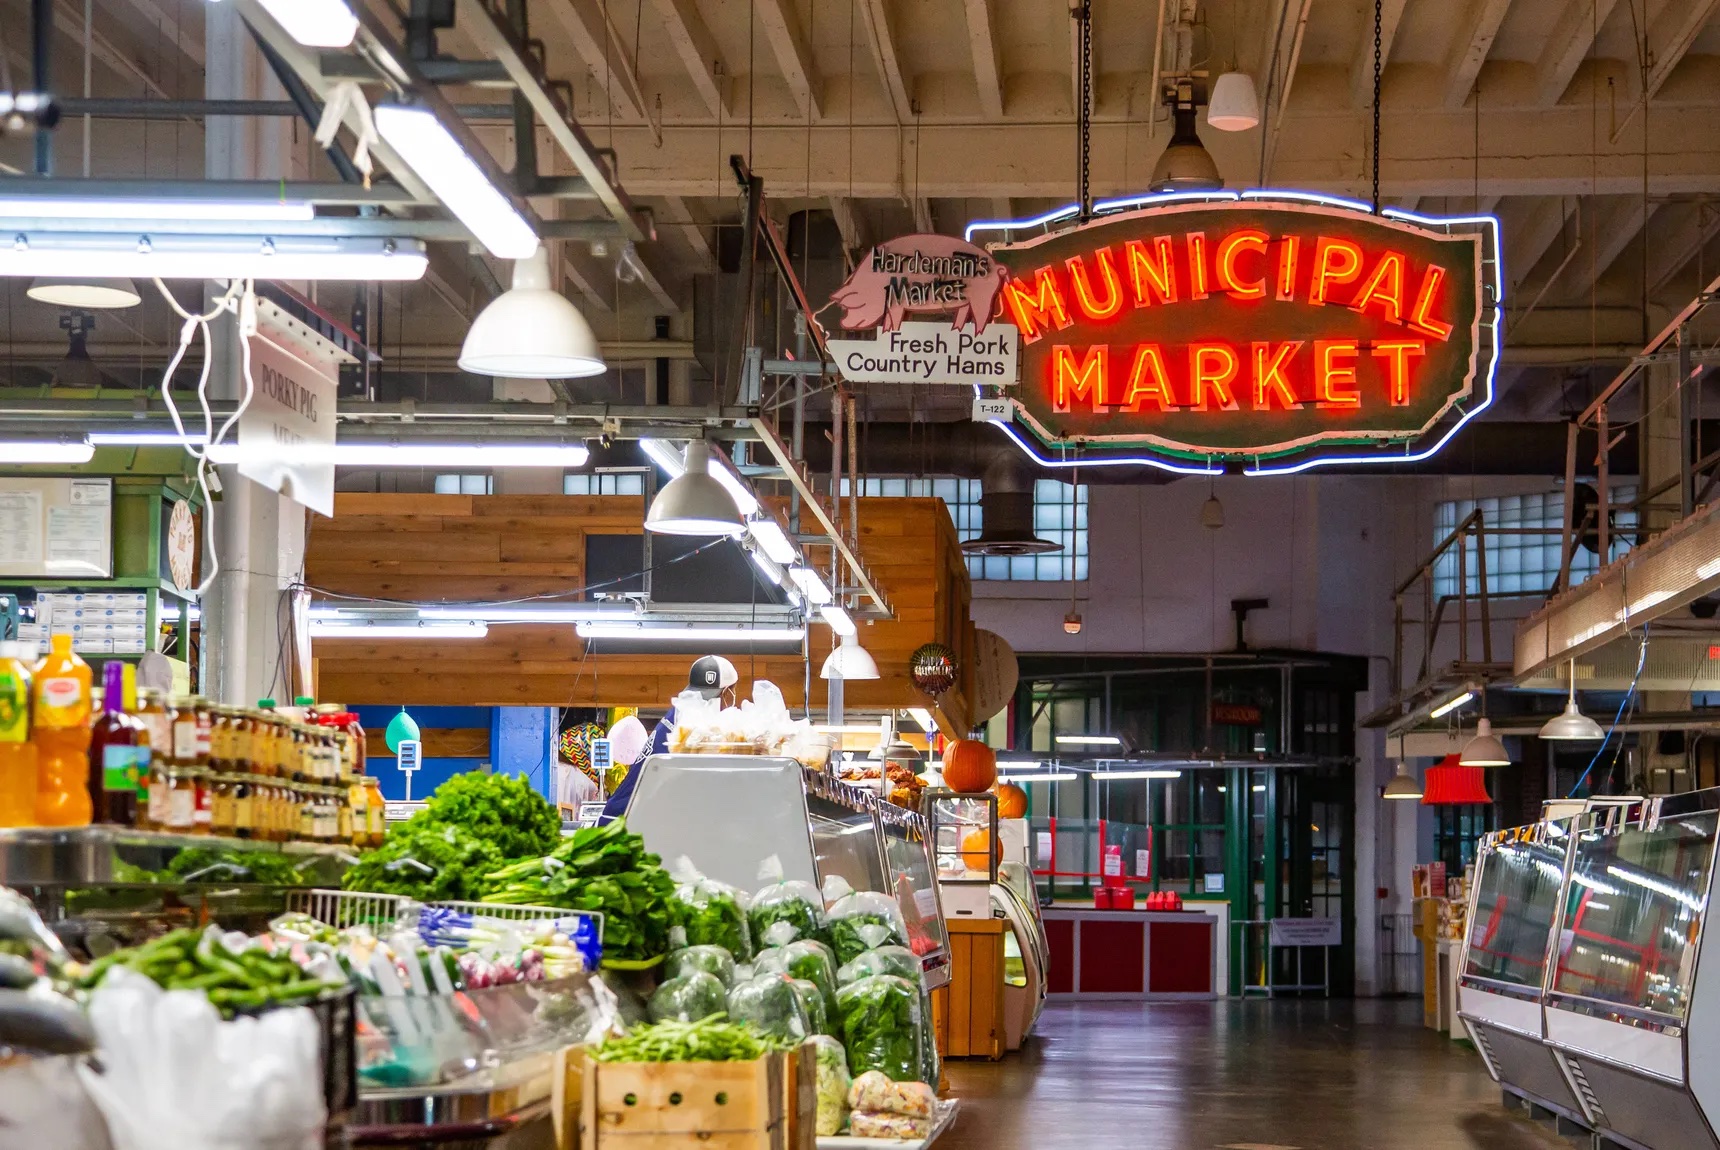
(1313, 1075)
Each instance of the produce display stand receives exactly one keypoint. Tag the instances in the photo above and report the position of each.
(511, 1099)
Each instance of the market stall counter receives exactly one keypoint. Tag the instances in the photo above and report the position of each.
(1132, 954)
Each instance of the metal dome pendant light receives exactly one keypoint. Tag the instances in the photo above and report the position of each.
(1571, 725)
(695, 502)
(531, 331)
(849, 661)
(1403, 784)
(1485, 749)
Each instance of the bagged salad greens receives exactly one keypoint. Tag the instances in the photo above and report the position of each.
(897, 960)
(688, 998)
(710, 959)
(812, 1001)
(881, 1028)
(770, 1004)
(833, 1083)
(790, 901)
(712, 913)
(862, 909)
(803, 958)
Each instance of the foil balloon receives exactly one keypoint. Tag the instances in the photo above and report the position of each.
(933, 667)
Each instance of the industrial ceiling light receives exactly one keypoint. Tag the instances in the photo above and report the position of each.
(363, 629)
(849, 661)
(694, 502)
(87, 294)
(1451, 704)
(1185, 165)
(839, 619)
(46, 451)
(773, 540)
(443, 163)
(1072, 623)
(1212, 513)
(817, 592)
(1485, 749)
(1571, 725)
(653, 631)
(170, 256)
(248, 209)
(1402, 785)
(314, 23)
(1234, 107)
(344, 454)
(531, 331)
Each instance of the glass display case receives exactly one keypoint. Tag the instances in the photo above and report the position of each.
(1511, 918)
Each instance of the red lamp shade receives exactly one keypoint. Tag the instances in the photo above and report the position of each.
(1450, 784)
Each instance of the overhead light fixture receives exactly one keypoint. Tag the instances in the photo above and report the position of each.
(923, 717)
(694, 503)
(1451, 704)
(432, 152)
(768, 567)
(567, 455)
(46, 207)
(171, 255)
(1072, 623)
(1053, 777)
(774, 541)
(524, 613)
(723, 472)
(46, 451)
(531, 331)
(1089, 741)
(1485, 749)
(846, 728)
(1234, 107)
(655, 631)
(1402, 784)
(146, 438)
(1185, 166)
(840, 621)
(849, 661)
(1212, 513)
(811, 585)
(314, 23)
(665, 455)
(1004, 766)
(92, 292)
(1572, 725)
(1156, 773)
(361, 630)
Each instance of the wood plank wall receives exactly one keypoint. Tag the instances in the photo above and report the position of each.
(466, 548)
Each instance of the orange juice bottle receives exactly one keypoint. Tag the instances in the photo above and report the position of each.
(60, 729)
(17, 753)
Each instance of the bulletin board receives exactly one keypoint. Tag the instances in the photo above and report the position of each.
(59, 529)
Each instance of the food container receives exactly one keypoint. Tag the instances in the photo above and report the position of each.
(769, 1103)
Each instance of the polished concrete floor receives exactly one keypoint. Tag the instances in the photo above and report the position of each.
(1256, 1075)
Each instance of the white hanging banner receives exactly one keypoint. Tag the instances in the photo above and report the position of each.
(286, 433)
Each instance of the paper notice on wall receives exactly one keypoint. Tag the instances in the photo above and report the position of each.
(78, 541)
(926, 902)
(1213, 881)
(1113, 862)
(21, 527)
(1143, 864)
(1042, 848)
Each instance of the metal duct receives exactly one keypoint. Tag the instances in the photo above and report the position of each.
(1006, 510)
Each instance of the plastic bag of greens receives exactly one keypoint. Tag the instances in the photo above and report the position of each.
(712, 913)
(897, 960)
(770, 1003)
(863, 909)
(880, 1025)
(713, 960)
(813, 1002)
(833, 1084)
(805, 959)
(688, 998)
(930, 1065)
(790, 901)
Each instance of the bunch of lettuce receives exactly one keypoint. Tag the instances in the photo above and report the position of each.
(688, 998)
(712, 960)
(428, 862)
(803, 959)
(880, 1026)
(771, 1004)
(714, 914)
(504, 811)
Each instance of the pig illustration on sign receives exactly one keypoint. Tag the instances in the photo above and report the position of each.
(921, 274)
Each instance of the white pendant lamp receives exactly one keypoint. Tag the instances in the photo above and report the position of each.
(1571, 725)
(1402, 785)
(694, 502)
(1234, 107)
(85, 293)
(531, 331)
(1485, 749)
(849, 661)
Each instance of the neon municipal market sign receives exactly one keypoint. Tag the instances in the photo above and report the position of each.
(1278, 331)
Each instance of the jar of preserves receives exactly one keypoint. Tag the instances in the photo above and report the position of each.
(244, 808)
(375, 812)
(221, 817)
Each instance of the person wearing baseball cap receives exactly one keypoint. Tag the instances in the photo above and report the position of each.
(711, 677)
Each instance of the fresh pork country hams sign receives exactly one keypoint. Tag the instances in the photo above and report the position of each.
(1278, 333)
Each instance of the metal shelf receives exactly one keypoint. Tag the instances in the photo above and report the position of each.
(83, 856)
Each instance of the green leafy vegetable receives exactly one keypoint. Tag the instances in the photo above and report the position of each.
(427, 862)
(796, 903)
(812, 1001)
(712, 1039)
(688, 998)
(849, 943)
(804, 959)
(712, 960)
(880, 1026)
(897, 960)
(770, 1003)
(503, 811)
(712, 915)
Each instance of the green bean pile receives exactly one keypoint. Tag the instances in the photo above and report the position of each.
(712, 1039)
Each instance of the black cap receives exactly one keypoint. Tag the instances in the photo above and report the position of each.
(712, 675)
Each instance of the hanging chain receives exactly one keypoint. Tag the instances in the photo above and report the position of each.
(1084, 110)
(1377, 62)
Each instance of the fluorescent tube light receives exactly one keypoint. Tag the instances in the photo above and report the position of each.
(924, 717)
(846, 728)
(814, 588)
(146, 438)
(770, 536)
(1709, 569)
(1004, 766)
(653, 631)
(1451, 705)
(314, 23)
(526, 613)
(46, 451)
(1148, 774)
(359, 629)
(1053, 777)
(1258, 788)
(427, 146)
(744, 499)
(1089, 741)
(171, 256)
(840, 621)
(767, 566)
(424, 454)
(665, 455)
(103, 208)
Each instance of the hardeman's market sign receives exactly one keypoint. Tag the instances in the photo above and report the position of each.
(1280, 333)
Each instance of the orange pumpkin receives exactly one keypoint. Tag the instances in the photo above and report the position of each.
(970, 767)
(1011, 801)
(974, 844)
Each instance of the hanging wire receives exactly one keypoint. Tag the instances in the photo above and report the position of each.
(1377, 21)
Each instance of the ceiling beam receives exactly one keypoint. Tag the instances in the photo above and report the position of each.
(987, 71)
(1530, 237)
(677, 212)
(1672, 34)
(594, 282)
(1610, 224)
(1470, 53)
(885, 56)
(69, 18)
(165, 24)
(793, 58)
(1001, 209)
(1288, 49)
(923, 216)
(698, 51)
(653, 282)
(1362, 68)
(1075, 61)
(849, 224)
(598, 42)
(1571, 39)
(1689, 228)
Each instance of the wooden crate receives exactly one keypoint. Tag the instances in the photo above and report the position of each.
(969, 1012)
(767, 1104)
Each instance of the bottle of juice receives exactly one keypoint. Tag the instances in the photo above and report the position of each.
(60, 728)
(17, 752)
(152, 806)
(115, 740)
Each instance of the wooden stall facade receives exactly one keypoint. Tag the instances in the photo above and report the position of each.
(427, 549)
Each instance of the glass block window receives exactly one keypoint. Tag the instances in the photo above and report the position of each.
(603, 483)
(1523, 563)
(484, 484)
(1056, 516)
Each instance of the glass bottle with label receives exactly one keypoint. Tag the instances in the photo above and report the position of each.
(152, 713)
(180, 795)
(116, 739)
(375, 812)
(60, 728)
(17, 752)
